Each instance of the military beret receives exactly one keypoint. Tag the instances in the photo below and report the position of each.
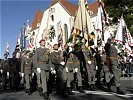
(41, 40)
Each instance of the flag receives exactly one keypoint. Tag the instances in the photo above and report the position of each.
(121, 34)
(23, 40)
(82, 21)
(7, 48)
(100, 21)
(130, 38)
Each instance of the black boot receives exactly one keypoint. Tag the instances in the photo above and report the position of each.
(81, 89)
(109, 87)
(119, 91)
(92, 88)
(40, 91)
(46, 96)
(29, 92)
(69, 91)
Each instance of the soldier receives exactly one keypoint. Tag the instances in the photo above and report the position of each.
(26, 70)
(5, 71)
(42, 64)
(99, 66)
(111, 53)
(68, 69)
(106, 72)
(78, 65)
(57, 60)
(90, 66)
(14, 72)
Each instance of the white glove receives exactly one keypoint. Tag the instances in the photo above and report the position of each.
(89, 62)
(67, 69)
(51, 69)
(70, 49)
(76, 70)
(62, 63)
(1, 71)
(32, 74)
(39, 70)
(53, 72)
(8, 74)
(96, 67)
(22, 74)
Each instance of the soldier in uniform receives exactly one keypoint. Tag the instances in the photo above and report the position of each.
(78, 66)
(111, 53)
(26, 70)
(5, 71)
(14, 72)
(68, 69)
(57, 60)
(90, 66)
(42, 64)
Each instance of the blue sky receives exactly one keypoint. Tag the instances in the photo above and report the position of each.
(14, 14)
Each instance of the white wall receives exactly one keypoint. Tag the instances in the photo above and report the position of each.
(59, 14)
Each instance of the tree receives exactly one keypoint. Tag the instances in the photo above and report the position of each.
(116, 8)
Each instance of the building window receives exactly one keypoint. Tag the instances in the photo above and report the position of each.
(66, 32)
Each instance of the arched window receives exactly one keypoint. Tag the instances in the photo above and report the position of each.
(66, 32)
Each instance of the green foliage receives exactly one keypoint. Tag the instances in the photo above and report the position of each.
(116, 8)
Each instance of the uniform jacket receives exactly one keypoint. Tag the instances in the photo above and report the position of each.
(112, 55)
(14, 65)
(56, 59)
(5, 65)
(42, 58)
(26, 65)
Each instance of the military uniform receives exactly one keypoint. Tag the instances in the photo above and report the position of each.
(56, 59)
(14, 70)
(42, 62)
(26, 68)
(111, 53)
(5, 68)
(90, 66)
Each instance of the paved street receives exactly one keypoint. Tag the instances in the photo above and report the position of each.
(126, 84)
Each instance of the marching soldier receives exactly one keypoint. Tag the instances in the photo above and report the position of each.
(90, 66)
(42, 64)
(78, 59)
(57, 60)
(113, 64)
(5, 71)
(68, 69)
(26, 69)
(105, 69)
(14, 72)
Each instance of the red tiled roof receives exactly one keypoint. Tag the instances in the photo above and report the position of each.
(69, 7)
(93, 7)
(37, 19)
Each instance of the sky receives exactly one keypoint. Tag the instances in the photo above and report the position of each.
(14, 13)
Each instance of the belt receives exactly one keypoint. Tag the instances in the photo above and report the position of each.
(72, 62)
(45, 62)
(77, 62)
(112, 57)
(69, 62)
